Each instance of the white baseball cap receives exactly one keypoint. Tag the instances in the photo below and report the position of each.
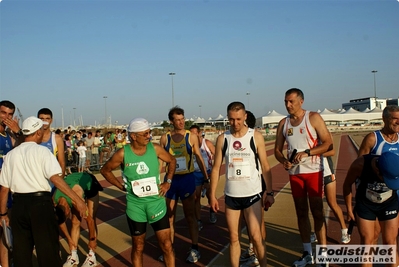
(138, 125)
(31, 125)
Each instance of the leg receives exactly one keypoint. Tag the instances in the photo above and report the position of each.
(137, 250)
(165, 243)
(254, 215)
(171, 204)
(302, 211)
(366, 231)
(3, 250)
(331, 196)
(316, 207)
(189, 213)
(198, 202)
(389, 229)
(92, 207)
(233, 218)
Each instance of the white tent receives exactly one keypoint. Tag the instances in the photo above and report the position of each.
(272, 117)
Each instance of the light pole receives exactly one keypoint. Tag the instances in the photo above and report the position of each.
(173, 93)
(74, 124)
(105, 107)
(375, 87)
(200, 110)
(248, 99)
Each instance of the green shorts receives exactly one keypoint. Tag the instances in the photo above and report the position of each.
(150, 212)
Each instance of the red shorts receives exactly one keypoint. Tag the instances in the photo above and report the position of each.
(307, 184)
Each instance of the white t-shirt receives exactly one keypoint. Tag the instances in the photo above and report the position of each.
(28, 168)
(81, 151)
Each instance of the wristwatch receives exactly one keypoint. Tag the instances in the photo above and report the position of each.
(270, 194)
(169, 181)
(307, 151)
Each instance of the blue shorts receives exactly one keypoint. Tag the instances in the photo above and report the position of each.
(199, 178)
(183, 186)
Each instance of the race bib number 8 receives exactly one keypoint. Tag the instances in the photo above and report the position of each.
(239, 170)
(145, 187)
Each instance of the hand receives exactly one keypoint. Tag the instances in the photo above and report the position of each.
(71, 244)
(351, 216)
(287, 165)
(12, 124)
(214, 204)
(163, 188)
(81, 207)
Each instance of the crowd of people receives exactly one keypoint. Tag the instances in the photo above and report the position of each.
(46, 177)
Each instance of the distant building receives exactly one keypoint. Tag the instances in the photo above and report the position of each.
(393, 102)
(361, 104)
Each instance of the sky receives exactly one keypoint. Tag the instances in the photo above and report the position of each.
(68, 55)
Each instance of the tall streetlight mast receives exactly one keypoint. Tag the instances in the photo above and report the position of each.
(105, 107)
(375, 87)
(173, 93)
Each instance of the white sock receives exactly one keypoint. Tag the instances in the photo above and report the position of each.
(344, 231)
(251, 246)
(308, 247)
(74, 253)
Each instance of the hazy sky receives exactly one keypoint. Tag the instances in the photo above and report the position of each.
(70, 54)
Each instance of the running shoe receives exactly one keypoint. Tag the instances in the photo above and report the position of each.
(322, 265)
(345, 238)
(71, 261)
(304, 260)
(160, 258)
(251, 262)
(193, 256)
(313, 238)
(200, 225)
(247, 254)
(212, 217)
(90, 261)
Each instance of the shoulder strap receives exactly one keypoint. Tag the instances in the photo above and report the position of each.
(253, 147)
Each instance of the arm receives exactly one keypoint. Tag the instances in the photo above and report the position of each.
(113, 163)
(171, 161)
(330, 152)
(197, 152)
(211, 147)
(353, 173)
(279, 146)
(266, 170)
(3, 203)
(367, 144)
(322, 133)
(215, 172)
(60, 153)
(77, 201)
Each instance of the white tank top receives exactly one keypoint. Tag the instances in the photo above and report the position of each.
(242, 177)
(206, 156)
(302, 137)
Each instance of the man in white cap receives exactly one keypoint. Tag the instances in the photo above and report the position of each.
(145, 193)
(28, 171)
(377, 182)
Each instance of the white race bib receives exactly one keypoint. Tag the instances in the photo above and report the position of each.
(239, 170)
(181, 164)
(145, 187)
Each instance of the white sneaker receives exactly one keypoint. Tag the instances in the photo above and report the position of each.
(247, 254)
(193, 256)
(90, 261)
(251, 262)
(345, 238)
(304, 260)
(71, 261)
(313, 238)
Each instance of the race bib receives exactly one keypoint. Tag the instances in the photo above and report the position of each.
(239, 170)
(181, 164)
(377, 197)
(145, 187)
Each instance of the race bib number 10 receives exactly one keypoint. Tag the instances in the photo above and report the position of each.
(145, 187)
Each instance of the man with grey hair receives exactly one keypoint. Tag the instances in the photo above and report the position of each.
(29, 171)
(145, 193)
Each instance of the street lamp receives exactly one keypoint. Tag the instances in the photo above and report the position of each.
(200, 110)
(248, 99)
(105, 105)
(173, 93)
(375, 88)
(74, 124)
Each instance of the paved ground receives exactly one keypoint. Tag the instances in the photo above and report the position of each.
(283, 242)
